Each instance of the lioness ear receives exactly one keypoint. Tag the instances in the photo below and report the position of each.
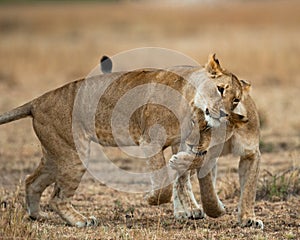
(213, 66)
(246, 86)
(238, 119)
(239, 114)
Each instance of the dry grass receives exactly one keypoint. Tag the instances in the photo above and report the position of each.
(46, 45)
(279, 186)
(124, 216)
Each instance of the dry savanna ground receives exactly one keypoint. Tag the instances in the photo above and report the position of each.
(43, 46)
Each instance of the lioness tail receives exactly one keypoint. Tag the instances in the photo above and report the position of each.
(17, 113)
(106, 64)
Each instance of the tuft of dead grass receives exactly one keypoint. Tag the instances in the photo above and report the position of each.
(279, 186)
(13, 216)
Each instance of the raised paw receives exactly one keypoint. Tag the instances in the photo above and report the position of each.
(172, 161)
(89, 222)
(255, 223)
(181, 161)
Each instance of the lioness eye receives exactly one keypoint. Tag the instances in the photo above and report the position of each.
(193, 123)
(236, 100)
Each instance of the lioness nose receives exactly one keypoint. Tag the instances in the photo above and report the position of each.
(223, 114)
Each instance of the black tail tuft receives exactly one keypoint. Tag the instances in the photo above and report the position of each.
(106, 64)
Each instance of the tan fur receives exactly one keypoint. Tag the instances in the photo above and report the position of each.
(242, 139)
(52, 122)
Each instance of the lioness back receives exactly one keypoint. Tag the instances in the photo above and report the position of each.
(55, 108)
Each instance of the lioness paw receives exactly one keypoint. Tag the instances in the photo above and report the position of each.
(197, 214)
(159, 196)
(181, 161)
(255, 223)
(180, 215)
(194, 214)
(89, 222)
(40, 216)
(173, 161)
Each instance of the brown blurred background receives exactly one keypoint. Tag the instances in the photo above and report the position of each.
(44, 45)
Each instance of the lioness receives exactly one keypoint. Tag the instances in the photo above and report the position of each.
(242, 139)
(53, 120)
(242, 125)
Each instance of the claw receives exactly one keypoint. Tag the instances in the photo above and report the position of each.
(90, 222)
(254, 223)
(194, 215)
(197, 214)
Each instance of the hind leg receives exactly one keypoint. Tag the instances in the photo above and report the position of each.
(35, 184)
(162, 190)
(67, 150)
(66, 183)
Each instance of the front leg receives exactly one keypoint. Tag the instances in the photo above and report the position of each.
(212, 205)
(248, 175)
(184, 202)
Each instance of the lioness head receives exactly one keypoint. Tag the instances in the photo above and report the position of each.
(221, 103)
(230, 88)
